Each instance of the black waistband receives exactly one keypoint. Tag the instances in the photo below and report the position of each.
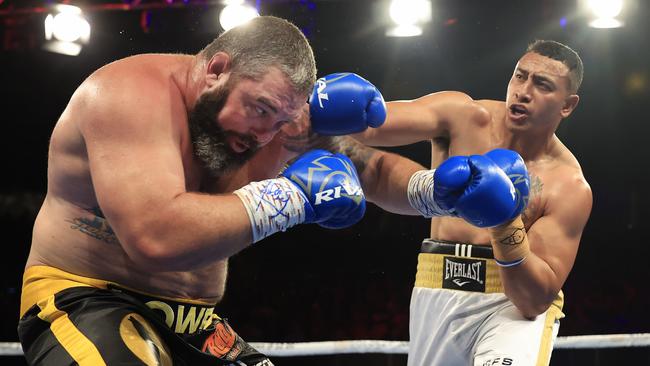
(457, 249)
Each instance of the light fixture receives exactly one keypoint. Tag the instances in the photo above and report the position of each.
(66, 30)
(606, 12)
(408, 17)
(236, 13)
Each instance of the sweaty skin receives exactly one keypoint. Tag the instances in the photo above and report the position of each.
(129, 202)
(71, 232)
(560, 198)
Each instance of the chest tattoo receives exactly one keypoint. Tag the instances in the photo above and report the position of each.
(534, 199)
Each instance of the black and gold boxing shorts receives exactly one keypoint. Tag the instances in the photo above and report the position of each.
(73, 320)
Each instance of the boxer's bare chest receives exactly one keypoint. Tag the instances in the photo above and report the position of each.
(455, 229)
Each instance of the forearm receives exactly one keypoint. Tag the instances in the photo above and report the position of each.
(385, 181)
(384, 176)
(190, 231)
(530, 286)
(529, 282)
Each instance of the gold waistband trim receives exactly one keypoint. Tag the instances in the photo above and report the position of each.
(458, 273)
(40, 282)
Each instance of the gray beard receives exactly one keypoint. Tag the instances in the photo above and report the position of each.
(209, 139)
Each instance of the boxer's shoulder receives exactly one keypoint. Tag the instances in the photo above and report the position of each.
(457, 106)
(495, 108)
(559, 166)
(138, 78)
(557, 182)
(128, 94)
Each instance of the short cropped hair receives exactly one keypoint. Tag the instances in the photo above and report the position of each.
(564, 54)
(266, 42)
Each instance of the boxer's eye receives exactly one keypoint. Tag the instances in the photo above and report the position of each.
(260, 111)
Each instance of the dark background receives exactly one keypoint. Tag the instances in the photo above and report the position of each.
(312, 284)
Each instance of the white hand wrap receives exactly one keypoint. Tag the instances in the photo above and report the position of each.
(272, 205)
(420, 194)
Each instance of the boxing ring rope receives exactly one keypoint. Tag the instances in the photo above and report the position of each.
(400, 347)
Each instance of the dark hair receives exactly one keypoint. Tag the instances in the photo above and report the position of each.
(266, 42)
(564, 54)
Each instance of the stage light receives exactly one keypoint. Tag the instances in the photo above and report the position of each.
(408, 16)
(606, 8)
(66, 30)
(606, 12)
(236, 13)
(605, 23)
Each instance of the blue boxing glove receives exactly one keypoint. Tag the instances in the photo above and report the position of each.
(332, 187)
(345, 103)
(451, 178)
(515, 168)
(319, 187)
(490, 198)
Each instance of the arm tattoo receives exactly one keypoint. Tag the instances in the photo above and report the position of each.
(297, 143)
(359, 153)
(96, 227)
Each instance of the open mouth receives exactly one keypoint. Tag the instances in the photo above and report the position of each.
(239, 145)
(518, 111)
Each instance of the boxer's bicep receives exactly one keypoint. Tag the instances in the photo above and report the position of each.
(432, 116)
(135, 162)
(555, 237)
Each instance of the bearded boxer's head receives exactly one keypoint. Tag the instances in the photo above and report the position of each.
(210, 139)
(253, 49)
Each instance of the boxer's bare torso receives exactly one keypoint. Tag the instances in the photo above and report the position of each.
(549, 171)
(72, 234)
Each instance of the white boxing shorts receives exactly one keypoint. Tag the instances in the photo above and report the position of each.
(459, 315)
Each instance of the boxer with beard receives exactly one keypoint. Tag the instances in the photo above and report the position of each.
(164, 165)
(210, 140)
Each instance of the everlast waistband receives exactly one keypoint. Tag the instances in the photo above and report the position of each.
(457, 266)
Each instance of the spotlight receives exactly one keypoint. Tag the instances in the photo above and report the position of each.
(605, 23)
(606, 8)
(66, 30)
(236, 13)
(408, 16)
(606, 12)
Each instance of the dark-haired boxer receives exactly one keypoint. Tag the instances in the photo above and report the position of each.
(488, 285)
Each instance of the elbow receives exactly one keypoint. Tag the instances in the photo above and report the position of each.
(531, 312)
(534, 307)
(148, 253)
(370, 175)
(365, 137)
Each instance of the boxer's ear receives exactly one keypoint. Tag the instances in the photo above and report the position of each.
(217, 67)
(570, 104)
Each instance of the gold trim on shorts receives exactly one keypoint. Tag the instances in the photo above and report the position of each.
(466, 267)
(553, 315)
(40, 282)
(456, 266)
(458, 273)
